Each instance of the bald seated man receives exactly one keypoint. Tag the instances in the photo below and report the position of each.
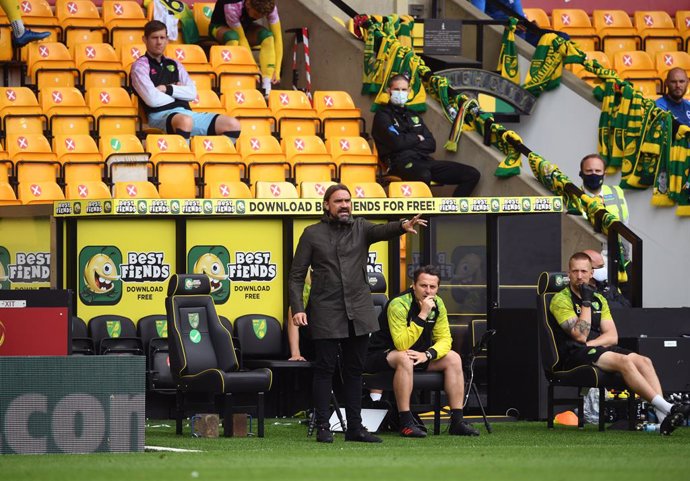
(676, 86)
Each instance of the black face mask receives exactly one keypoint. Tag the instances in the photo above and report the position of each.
(592, 181)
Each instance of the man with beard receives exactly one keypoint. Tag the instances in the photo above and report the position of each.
(673, 100)
(340, 313)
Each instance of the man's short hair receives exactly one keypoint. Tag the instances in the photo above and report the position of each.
(397, 77)
(264, 7)
(674, 69)
(332, 190)
(591, 156)
(154, 26)
(579, 256)
(429, 270)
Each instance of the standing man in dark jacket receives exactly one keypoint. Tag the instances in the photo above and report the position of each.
(405, 145)
(340, 311)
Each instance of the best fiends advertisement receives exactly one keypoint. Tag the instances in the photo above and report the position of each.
(246, 270)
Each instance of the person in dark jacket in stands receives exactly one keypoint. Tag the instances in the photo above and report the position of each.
(340, 312)
(405, 145)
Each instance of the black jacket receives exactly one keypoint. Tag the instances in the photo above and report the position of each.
(396, 130)
(337, 253)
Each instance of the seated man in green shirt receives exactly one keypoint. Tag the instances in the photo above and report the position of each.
(588, 336)
(415, 335)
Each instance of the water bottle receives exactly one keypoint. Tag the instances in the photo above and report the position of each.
(649, 427)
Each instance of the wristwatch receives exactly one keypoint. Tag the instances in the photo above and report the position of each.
(428, 355)
(586, 303)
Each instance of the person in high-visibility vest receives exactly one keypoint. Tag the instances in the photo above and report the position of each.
(20, 34)
(593, 174)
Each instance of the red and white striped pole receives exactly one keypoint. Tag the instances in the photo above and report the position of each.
(302, 35)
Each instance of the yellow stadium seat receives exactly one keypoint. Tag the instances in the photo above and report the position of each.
(364, 190)
(119, 144)
(194, 60)
(635, 64)
(7, 195)
(576, 23)
(80, 22)
(294, 113)
(654, 45)
(338, 114)
(313, 190)
(665, 61)
(135, 190)
(6, 51)
(37, 14)
(275, 190)
(245, 103)
(20, 112)
(112, 107)
(409, 189)
(219, 160)
(655, 27)
(253, 126)
(50, 65)
(39, 192)
(309, 159)
(235, 67)
(124, 20)
(227, 190)
(207, 101)
(66, 110)
(616, 31)
(683, 25)
(202, 16)
(538, 16)
(87, 190)
(264, 158)
(129, 53)
(73, 148)
(99, 65)
(175, 166)
(355, 161)
(418, 37)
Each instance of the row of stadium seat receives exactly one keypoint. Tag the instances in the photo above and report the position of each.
(37, 171)
(638, 67)
(64, 110)
(613, 30)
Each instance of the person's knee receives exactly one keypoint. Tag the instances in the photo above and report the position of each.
(473, 175)
(423, 175)
(453, 359)
(399, 361)
(265, 38)
(225, 123)
(183, 122)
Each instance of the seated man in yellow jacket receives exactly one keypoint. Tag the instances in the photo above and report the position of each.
(415, 336)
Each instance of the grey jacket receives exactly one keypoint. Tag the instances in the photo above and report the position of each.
(337, 253)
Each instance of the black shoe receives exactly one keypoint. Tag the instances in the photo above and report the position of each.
(29, 36)
(361, 435)
(677, 417)
(412, 431)
(462, 429)
(324, 434)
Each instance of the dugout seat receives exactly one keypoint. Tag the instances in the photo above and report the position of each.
(153, 331)
(260, 340)
(82, 344)
(429, 382)
(202, 354)
(115, 335)
(548, 285)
